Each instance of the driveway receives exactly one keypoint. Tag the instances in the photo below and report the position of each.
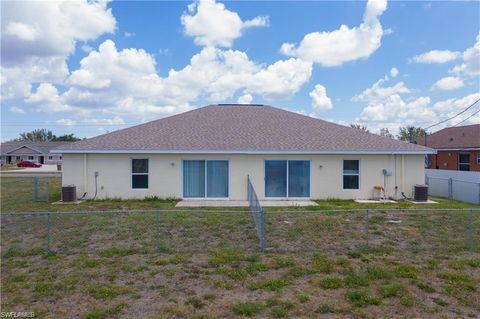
(45, 170)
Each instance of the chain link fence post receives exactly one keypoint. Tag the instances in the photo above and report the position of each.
(262, 231)
(366, 227)
(47, 188)
(157, 221)
(450, 189)
(49, 226)
(470, 231)
(35, 188)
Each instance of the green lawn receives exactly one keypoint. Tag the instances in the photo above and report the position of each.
(17, 196)
(110, 266)
(10, 167)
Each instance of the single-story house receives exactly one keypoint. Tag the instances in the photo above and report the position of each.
(458, 148)
(207, 153)
(17, 151)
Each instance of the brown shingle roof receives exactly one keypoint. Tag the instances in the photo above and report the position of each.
(467, 136)
(241, 128)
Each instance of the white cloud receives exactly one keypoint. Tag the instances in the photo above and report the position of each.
(211, 24)
(16, 109)
(126, 82)
(47, 99)
(448, 83)
(245, 99)
(66, 122)
(38, 37)
(320, 100)
(378, 92)
(436, 56)
(342, 45)
(29, 31)
(22, 31)
(471, 60)
(386, 108)
(451, 107)
(109, 121)
(394, 111)
(284, 78)
(394, 72)
(129, 34)
(17, 80)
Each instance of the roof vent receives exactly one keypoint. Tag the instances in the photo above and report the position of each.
(451, 139)
(238, 104)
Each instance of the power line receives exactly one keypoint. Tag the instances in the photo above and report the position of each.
(467, 117)
(451, 118)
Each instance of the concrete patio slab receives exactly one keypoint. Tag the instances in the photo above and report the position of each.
(422, 203)
(374, 201)
(241, 203)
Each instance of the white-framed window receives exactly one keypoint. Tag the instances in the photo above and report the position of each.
(60, 157)
(18, 158)
(139, 173)
(478, 158)
(351, 174)
(50, 157)
(30, 158)
(463, 161)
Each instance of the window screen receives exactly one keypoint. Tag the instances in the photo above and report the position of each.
(351, 174)
(140, 173)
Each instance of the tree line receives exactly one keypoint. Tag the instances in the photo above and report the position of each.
(44, 135)
(405, 133)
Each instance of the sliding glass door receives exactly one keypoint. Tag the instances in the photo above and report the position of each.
(276, 178)
(287, 178)
(205, 178)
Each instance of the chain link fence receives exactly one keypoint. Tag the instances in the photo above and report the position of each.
(23, 190)
(130, 232)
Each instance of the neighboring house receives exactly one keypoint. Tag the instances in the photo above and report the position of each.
(13, 152)
(458, 148)
(208, 153)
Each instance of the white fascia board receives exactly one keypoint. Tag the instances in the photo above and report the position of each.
(246, 152)
(458, 149)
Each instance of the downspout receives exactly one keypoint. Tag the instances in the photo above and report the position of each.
(85, 175)
(396, 183)
(403, 173)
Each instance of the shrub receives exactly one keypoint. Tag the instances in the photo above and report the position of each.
(325, 308)
(361, 298)
(391, 290)
(330, 282)
(375, 272)
(322, 264)
(269, 284)
(407, 271)
(247, 308)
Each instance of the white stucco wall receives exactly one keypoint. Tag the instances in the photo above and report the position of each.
(165, 174)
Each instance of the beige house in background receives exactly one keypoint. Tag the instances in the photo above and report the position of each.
(207, 153)
(17, 151)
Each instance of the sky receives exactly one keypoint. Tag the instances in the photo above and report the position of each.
(94, 67)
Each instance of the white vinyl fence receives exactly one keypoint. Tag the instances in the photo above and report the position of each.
(458, 185)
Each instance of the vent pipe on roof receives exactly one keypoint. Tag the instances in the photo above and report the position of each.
(238, 104)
